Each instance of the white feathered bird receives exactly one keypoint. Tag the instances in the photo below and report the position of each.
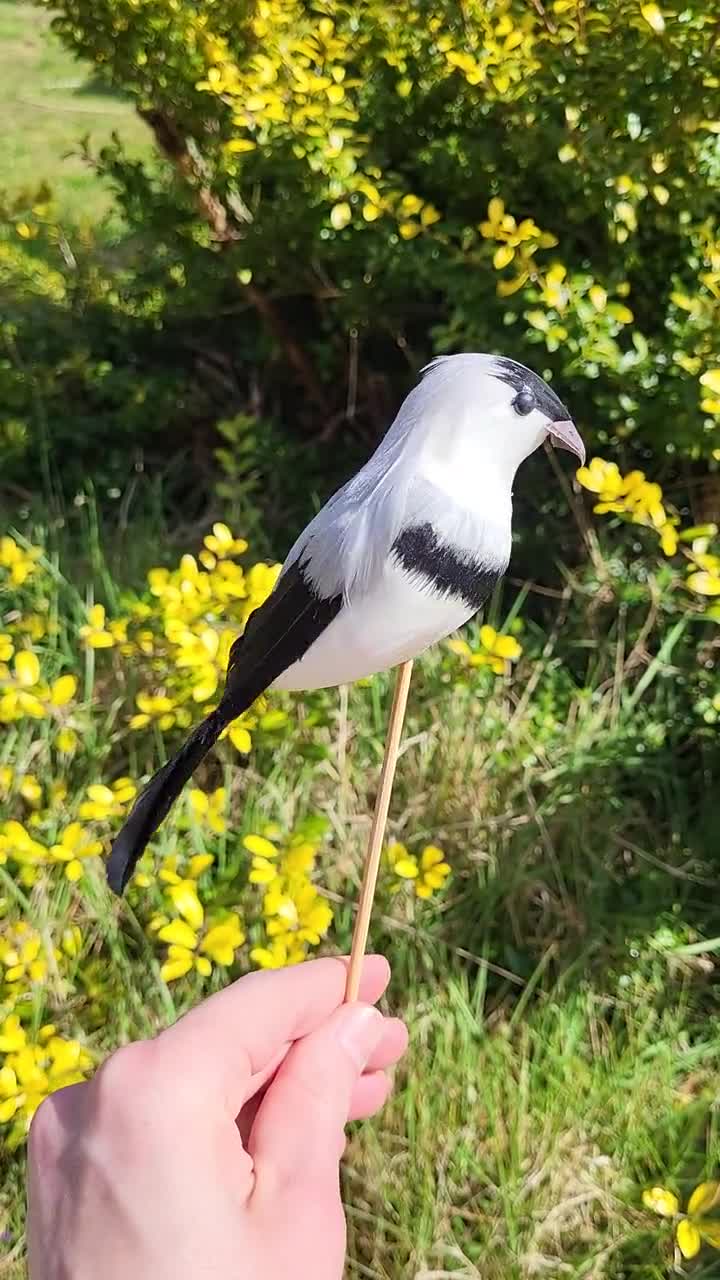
(405, 553)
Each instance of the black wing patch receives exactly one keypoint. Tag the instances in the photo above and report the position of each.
(276, 635)
(520, 379)
(449, 571)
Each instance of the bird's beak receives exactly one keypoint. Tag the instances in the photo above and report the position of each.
(565, 435)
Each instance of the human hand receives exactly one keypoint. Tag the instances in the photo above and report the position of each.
(213, 1150)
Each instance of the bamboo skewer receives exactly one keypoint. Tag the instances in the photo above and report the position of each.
(377, 831)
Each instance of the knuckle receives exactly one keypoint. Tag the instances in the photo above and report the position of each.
(123, 1077)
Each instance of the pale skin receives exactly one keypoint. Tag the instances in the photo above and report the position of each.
(214, 1149)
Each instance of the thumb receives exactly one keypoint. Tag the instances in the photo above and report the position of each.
(298, 1136)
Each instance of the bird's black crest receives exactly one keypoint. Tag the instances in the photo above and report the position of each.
(451, 572)
(520, 379)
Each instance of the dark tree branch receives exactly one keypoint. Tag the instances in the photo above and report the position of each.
(225, 231)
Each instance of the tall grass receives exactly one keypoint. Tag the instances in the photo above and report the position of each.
(563, 1014)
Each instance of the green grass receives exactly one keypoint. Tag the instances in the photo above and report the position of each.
(49, 102)
(564, 1047)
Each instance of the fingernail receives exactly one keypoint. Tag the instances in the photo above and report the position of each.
(360, 1032)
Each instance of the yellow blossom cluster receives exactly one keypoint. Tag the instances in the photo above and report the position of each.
(695, 1227)
(631, 495)
(497, 49)
(428, 872)
(599, 315)
(27, 856)
(517, 244)
(22, 690)
(703, 566)
(295, 915)
(641, 501)
(496, 650)
(182, 636)
(17, 563)
(31, 1068)
(193, 942)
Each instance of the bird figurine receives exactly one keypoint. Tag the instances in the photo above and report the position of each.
(402, 555)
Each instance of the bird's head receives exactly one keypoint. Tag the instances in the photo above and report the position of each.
(528, 403)
(504, 406)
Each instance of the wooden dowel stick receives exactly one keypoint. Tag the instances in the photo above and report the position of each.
(377, 831)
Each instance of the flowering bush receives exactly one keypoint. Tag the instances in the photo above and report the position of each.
(87, 693)
(322, 165)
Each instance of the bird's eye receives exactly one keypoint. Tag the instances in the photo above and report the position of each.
(524, 402)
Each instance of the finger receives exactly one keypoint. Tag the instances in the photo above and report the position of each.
(387, 1052)
(370, 1093)
(235, 1034)
(391, 1046)
(298, 1135)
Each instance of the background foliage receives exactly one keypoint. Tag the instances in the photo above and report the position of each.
(229, 236)
(338, 190)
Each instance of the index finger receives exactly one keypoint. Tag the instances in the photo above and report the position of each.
(237, 1032)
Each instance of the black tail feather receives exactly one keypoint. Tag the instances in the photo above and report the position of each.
(154, 803)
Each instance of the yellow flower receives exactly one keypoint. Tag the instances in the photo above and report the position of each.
(711, 380)
(519, 241)
(7, 647)
(63, 691)
(21, 954)
(403, 863)
(33, 1069)
(19, 564)
(218, 946)
(184, 897)
(198, 863)
(221, 542)
(279, 953)
(294, 906)
(107, 802)
(153, 708)
(693, 1228)
(239, 735)
(260, 581)
(72, 941)
(222, 940)
(25, 695)
(652, 14)
(340, 215)
(661, 1201)
(555, 291)
(94, 632)
(67, 741)
(496, 652)
(704, 576)
(27, 669)
(32, 625)
(30, 789)
(428, 874)
(601, 477)
(434, 871)
(668, 539)
(18, 846)
(704, 582)
(296, 915)
(263, 869)
(209, 807)
(73, 847)
(12, 1035)
(632, 496)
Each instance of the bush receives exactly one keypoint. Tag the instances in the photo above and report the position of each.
(410, 178)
